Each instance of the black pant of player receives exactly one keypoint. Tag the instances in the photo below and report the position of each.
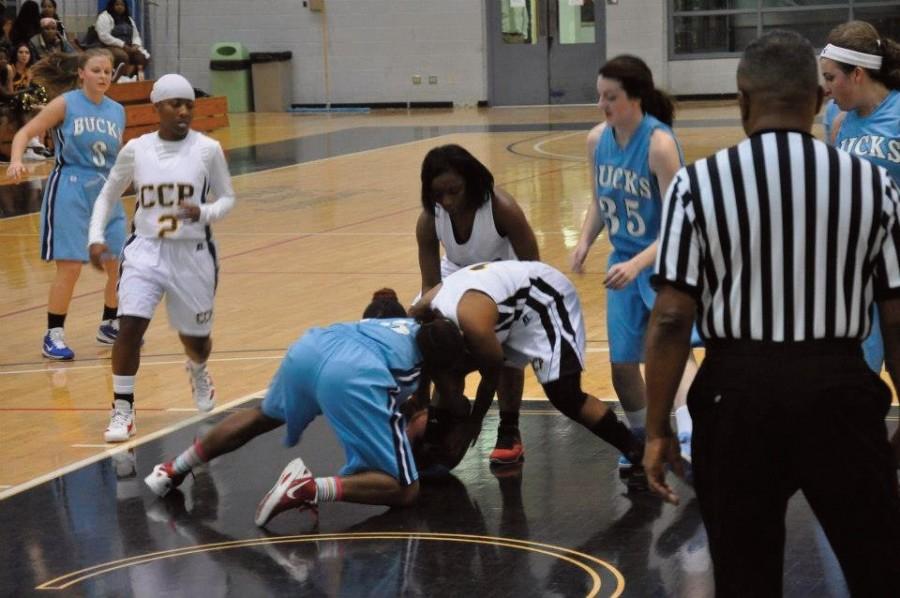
(771, 419)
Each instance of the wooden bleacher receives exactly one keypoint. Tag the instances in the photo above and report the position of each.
(140, 117)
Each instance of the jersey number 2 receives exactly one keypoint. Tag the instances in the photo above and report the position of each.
(169, 222)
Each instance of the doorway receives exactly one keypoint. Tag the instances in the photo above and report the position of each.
(544, 51)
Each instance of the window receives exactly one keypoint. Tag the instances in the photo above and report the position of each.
(724, 28)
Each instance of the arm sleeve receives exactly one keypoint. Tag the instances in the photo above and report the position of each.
(136, 39)
(887, 267)
(678, 256)
(104, 27)
(119, 178)
(220, 186)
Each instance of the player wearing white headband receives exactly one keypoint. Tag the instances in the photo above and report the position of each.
(861, 71)
(171, 252)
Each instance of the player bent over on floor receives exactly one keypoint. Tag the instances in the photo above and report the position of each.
(175, 171)
(357, 374)
(510, 312)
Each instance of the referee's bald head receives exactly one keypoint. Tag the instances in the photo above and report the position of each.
(780, 70)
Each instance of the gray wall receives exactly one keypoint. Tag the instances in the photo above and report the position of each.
(372, 47)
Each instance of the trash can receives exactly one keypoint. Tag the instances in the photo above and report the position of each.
(273, 87)
(229, 67)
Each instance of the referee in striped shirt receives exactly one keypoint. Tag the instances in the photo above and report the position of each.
(778, 246)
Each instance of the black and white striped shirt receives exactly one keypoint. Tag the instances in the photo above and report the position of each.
(782, 238)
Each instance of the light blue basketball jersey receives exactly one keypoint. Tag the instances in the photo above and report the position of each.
(628, 193)
(875, 137)
(395, 342)
(91, 134)
(831, 112)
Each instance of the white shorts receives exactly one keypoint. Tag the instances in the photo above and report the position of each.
(550, 332)
(184, 270)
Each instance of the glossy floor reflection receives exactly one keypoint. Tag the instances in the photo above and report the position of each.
(561, 524)
(25, 198)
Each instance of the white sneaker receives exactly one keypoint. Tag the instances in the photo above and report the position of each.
(121, 423)
(201, 386)
(163, 479)
(31, 155)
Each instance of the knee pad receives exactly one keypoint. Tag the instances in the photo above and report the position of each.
(566, 395)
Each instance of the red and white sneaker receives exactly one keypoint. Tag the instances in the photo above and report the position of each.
(163, 479)
(295, 489)
(121, 423)
(509, 448)
(201, 386)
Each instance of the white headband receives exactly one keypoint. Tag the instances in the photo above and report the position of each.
(868, 61)
(171, 87)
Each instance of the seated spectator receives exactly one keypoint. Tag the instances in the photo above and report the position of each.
(6, 32)
(119, 34)
(6, 78)
(29, 98)
(22, 61)
(50, 40)
(27, 23)
(49, 10)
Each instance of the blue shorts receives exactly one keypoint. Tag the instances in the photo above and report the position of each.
(873, 345)
(628, 314)
(338, 375)
(69, 197)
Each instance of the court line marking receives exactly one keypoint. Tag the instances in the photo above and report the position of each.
(537, 147)
(121, 448)
(105, 365)
(559, 552)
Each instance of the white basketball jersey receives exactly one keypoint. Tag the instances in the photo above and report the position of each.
(539, 313)
(168, 175)
(484, 244)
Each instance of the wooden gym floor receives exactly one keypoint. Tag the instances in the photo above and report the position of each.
(326, 212)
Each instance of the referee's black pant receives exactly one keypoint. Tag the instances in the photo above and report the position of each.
(771, 419)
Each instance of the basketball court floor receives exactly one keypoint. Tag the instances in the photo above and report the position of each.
(326, 213)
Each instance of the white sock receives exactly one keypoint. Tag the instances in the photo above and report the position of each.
(637, 420)
(123, 405)
(123, 385)
(683, 421)
(196, 367)
(329, 489)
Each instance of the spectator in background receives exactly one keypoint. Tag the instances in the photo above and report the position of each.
(49, 40)
(49, 10)
(6, 78)
(22, 59)
(119, 34)
(6, 35)
(27, 23)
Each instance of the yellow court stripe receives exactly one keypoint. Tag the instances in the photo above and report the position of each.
(559, 552)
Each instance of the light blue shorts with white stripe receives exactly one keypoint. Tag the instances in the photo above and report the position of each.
(335, 374)
(69, 197)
